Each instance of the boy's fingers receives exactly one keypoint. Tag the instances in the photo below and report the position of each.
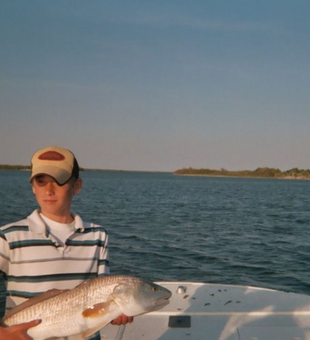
(29, 324)
(18, 332)
(122, 320)
(23, 327)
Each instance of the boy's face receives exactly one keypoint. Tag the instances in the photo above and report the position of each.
(55, 200)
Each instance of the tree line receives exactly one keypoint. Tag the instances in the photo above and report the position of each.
(19, 167)
(294, 173)
(14, 167)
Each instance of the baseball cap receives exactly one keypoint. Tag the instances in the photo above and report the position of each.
(56, 162)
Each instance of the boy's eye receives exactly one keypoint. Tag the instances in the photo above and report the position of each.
(40, 182)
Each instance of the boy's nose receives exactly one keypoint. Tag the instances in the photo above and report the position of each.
(49, 187)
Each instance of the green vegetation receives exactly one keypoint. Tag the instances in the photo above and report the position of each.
(14, 167)
(294, 173)
(19, 167)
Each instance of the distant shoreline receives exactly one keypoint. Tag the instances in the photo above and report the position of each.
(226, 176)
(294, 173)
(28, 168)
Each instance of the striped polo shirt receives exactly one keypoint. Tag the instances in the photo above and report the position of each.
(32, 261)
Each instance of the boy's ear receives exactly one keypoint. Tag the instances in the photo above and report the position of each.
(78, 185)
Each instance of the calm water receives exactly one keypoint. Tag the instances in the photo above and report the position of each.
(172, 228)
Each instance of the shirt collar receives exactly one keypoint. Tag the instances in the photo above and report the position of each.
(79, 225)
(37, 225)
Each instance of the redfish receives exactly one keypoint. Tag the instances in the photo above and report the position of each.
(87, 308)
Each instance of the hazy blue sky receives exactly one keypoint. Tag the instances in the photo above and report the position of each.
(157, 85)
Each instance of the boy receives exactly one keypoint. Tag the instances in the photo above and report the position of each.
(53, 247)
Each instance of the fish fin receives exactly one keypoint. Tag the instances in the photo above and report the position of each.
(92, 331)
(32, 301)
(75, 337)
(99, 309)
(70, 337)
(105, 312)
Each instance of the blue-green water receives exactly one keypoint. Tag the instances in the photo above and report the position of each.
(174, 228)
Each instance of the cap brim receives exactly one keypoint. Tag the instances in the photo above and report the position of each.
(61, 176)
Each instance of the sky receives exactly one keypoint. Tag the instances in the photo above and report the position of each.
(157, 85)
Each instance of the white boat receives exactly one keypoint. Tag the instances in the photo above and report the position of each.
(201, 311)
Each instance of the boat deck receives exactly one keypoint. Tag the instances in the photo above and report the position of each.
(200, 311)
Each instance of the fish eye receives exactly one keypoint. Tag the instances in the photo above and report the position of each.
(154, 289)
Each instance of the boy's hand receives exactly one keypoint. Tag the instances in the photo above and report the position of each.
(121, 320)
(18, 332)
